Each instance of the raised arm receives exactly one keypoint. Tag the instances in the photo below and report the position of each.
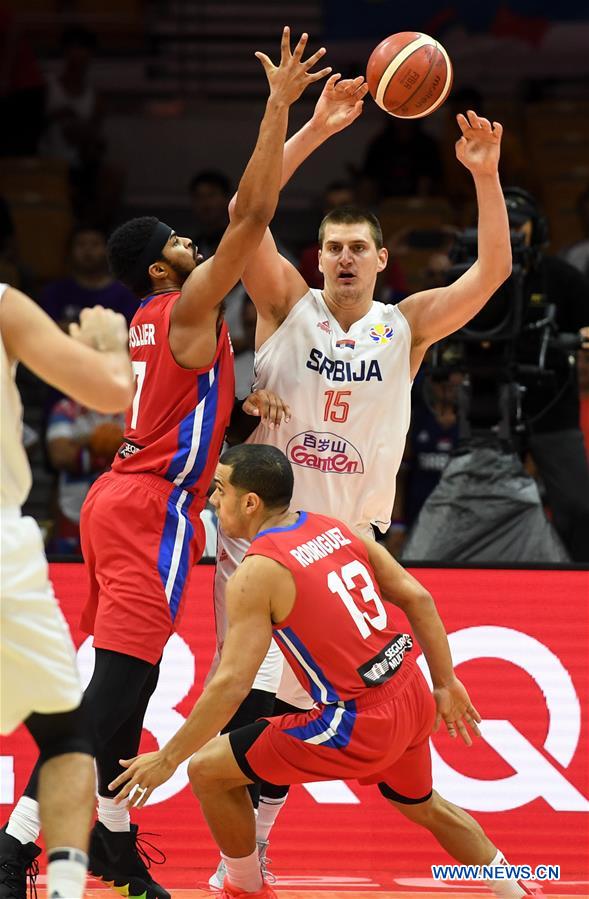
(258, 190)
(271, 280)
(399, 587)
(434, 314)
(93, 368)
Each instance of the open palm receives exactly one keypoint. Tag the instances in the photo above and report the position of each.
(479, 147)
(340, 103)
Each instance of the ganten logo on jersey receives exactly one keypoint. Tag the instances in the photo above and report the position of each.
(381, 333)
(338, 370)
(324, 452)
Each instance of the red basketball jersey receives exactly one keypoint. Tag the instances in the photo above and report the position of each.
(339, 637)
(176, 425)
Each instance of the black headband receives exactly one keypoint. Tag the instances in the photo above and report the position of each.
(152, 250)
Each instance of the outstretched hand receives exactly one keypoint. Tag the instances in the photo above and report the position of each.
(292, 76)
(453, 706)
(479, 147)
(142, 775)
(340, 103)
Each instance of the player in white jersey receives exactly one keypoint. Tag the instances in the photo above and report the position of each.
(38, 675)
(345, 364)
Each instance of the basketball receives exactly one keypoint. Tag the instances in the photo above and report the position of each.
(409, 75)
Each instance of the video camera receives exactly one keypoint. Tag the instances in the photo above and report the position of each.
(502, 347)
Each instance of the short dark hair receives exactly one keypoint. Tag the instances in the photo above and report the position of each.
(261, 469)
(125, 246)
(210, 176)
(352, 215)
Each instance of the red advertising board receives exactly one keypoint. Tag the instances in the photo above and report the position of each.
(520, 641)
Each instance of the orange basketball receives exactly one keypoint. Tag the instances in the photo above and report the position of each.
(409, 74)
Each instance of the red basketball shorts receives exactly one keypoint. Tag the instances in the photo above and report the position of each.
(140, 536)
(382, 737)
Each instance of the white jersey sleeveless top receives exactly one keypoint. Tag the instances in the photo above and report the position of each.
(15, 471)
(350, 398)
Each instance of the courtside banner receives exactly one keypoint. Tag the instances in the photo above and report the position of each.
(520, 641)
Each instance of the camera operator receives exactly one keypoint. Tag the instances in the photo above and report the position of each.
(552, 286)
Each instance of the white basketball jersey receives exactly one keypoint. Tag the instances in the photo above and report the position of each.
(15, 481)
(350, 399)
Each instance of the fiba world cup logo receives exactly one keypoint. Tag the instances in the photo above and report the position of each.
(381, 333)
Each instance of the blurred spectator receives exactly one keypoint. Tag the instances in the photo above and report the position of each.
(514, 166)
(433, 435)
(81, 444)
(89, 283)
(337, 193)
(401, 161)
(551, 403)
(578, 254)
(391, 285)
(22, 91)
(12, 270)
(210, 192)
(74, 114)
(244, 359)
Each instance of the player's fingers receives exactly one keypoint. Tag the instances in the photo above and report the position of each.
(361, 91)
(271, 410)
(317, 76)
(463, 731)
(463, 122)
(299, 49)
(251, 405)
(474, 713)
(310, 62)
(498, 129)
(473, 118)
(484, 124)
(74, 330)
(332, 81)
(437, 723)
(285, 44)
(265, 60)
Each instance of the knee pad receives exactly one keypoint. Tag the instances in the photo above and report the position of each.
(60, 733)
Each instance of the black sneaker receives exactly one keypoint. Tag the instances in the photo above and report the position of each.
(18, 862)
(119, 860)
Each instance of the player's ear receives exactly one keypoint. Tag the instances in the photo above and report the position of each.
(158, 270)
(319, 261)
(383, 258)
(252, 503)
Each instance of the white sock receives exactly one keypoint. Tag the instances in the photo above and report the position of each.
(506, 889)
(115, 818)
(268, 811)
(66, 873)
(244, 873)
(24, 824)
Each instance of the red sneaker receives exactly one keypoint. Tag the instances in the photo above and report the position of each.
(231, 892)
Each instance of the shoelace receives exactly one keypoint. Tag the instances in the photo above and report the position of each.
(31, 874)
(146, 858)
(268, 876)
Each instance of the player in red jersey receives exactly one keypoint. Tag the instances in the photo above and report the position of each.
(140, 527)
(325, 594)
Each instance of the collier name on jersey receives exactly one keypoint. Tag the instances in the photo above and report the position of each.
(142, 335)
